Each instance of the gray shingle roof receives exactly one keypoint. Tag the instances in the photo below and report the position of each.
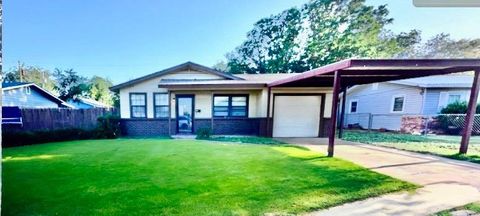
(444, 81)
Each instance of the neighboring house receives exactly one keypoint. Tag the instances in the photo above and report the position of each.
(184, 98)
(86, 103)
(29, 95)
(382, 105)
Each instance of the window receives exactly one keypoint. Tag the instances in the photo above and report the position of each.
(398, 103)
(454, 98)
(160, 105)
(353, 106)
(230, 105)
(28, 90)
(138, 105)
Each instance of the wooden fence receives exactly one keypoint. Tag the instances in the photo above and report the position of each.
(54, 119)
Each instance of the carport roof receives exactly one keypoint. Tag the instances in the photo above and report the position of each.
(364, 71)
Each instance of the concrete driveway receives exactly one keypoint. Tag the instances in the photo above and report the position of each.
(446, 183)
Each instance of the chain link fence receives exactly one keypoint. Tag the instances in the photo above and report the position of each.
(440, 124)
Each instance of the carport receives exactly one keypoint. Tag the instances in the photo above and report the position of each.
(343, 74)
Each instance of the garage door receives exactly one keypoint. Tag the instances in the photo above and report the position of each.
(296, 116)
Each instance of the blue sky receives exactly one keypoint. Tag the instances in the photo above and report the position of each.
(125, 39)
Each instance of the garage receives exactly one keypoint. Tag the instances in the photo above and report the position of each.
(296, 116)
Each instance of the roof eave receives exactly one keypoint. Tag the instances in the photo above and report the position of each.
(186, 65)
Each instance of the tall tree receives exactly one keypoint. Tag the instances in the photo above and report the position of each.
(70, 85)
(270, 46)
(37, 75)
(443, 46)
(99, 90)
(321, 32)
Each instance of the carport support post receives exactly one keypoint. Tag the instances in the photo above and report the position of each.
(333, 123)
(268, 113)
(342, 113)
(472, 106)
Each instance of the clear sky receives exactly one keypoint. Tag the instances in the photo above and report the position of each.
(125, 39)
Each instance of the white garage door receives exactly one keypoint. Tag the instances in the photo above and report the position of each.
(296, 116)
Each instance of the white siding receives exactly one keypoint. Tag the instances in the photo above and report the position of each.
(151, 86)
(377, 100)
(433, 105)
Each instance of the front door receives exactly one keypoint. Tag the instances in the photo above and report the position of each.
(184, 113)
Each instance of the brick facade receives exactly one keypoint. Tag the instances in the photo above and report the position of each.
(145, 127)
(230, 126)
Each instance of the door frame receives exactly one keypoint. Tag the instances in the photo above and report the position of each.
(321, 126)
(192, 96)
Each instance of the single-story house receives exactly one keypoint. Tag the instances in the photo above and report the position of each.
(189, 96)
(196, 96)
(87, 103)
(29, 95)
(385, 103)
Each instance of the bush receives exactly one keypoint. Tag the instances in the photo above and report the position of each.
(204, 133)
(108, 127)
(20, 138)
(459, 107)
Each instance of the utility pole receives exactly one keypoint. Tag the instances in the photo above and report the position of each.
(20, 71)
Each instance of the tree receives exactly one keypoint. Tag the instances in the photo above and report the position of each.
(270, 45)
(321, 32)
(99, 90)
(221, 66)
(70, 85)
(443, 46)
(37, 75)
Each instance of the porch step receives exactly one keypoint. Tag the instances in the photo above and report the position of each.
(184, 136)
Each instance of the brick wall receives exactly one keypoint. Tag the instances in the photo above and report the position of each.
(240, 126)
(145, 127)
(231, 126)
(159, 127)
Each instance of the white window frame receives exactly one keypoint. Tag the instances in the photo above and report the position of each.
(350, 106)
(28, 91)
(392, 106)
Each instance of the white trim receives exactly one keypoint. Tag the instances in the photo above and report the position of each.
(350, 106)
(393, 103)
(28, 90)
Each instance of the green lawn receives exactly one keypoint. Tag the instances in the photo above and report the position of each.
(446, 146)
(185, 177)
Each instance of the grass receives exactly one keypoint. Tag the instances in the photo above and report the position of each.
(446, 146)
(475, 207)
(179, 177)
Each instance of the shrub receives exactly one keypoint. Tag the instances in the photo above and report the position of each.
(108, 127)
(204, 133)
(459, 107)
(20, 138)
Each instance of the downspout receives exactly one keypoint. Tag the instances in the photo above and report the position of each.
(424, 99)
(422, 112)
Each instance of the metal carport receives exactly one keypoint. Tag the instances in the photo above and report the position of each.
(343, 74)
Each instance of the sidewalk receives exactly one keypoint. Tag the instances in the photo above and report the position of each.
(447, 183)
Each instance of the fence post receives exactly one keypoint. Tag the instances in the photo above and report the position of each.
(426, 125)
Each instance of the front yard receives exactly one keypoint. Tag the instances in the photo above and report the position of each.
(187, 177)
(446, 146)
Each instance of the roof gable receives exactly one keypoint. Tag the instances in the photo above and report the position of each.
(40, 90)
(188, 66)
